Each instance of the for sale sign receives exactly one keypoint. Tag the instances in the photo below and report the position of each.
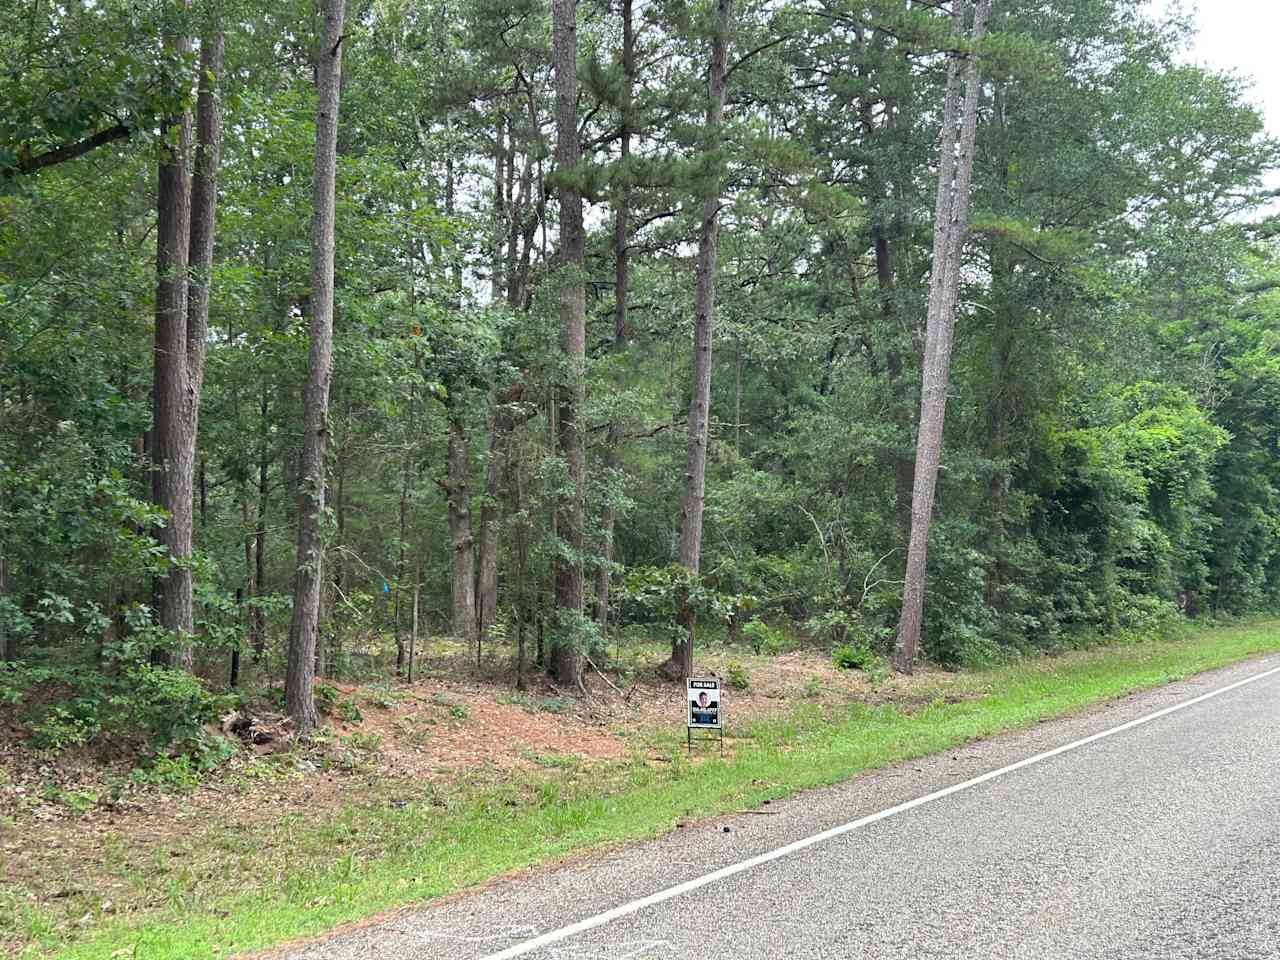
(703, 697)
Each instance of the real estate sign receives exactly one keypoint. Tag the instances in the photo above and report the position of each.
(702, 694)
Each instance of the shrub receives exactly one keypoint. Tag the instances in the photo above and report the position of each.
(77, 706)
(764, 639)
(850, 656)
(736, 676)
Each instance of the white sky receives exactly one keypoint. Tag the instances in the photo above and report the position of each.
(1241, 36)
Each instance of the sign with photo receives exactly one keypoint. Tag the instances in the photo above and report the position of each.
(703, 697)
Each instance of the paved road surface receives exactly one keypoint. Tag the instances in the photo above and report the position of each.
(1161, 841)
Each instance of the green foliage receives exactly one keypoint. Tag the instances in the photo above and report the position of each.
(576, 631)
(764, 639)
(850, 657)
(182, 772)
(661, 595)
(326, 695)
(154, 709)
(736, 676)
(1111, 462)
(530, 704)
(76, 801)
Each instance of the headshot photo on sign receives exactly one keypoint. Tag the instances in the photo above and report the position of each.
(704, 703)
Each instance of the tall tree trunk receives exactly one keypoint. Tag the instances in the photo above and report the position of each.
(503, 418)
(300, 670)
(204, 210)
(566, 658)
(6, 653)
(951, 224)
(405, 475)
(258, 620)
(487, 581)
(524, 613)
(903, 464)
(1005, 403)
(458, 493)
(621, 295)
(172, 445)
(339, 579)
(704, 305)
(247, 532)
(186, 208)
(496, 287)
(500, 423)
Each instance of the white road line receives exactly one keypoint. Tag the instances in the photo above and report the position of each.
(635, 906)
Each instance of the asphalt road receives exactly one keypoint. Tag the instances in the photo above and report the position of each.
(1160, 841)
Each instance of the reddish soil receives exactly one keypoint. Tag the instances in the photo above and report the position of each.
(77, 831)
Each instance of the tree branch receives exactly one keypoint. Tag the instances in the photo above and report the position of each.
(68, 151)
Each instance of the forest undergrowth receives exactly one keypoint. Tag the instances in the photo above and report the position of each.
(413, 791)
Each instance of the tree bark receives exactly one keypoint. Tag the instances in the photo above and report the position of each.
(172, 445)
(300, 669)
(903, 465)
(502, 419)
(523, 608)
(951, 222)
(704, 304)
(458, 493)
(499, 226)
(6, 654)
(204, 211)
(186, 211)
(338, 581)
(487, 585)
(621, 295)
(566, 658)
(405, 473)
(258, 618)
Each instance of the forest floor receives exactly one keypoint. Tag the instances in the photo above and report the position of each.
(417, 790)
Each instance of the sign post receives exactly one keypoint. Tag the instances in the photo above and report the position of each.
(703, 708)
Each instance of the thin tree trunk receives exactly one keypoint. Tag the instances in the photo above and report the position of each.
(458, 493)
(233, 680)
(487, 587)
(404, 520)
(704, 305)
(413, 633)
(456, 265)
(518, 197)
(951, 220)
(339, 580)
(204, 210)
(903, 464)
(1004, 402)
(172, 449)
(566, 657)
(621, 295)
(299, 675)
(737, 396)
(6, 654)
(503, 419)
(258, 623)
(496, 287)
(247, 592)
(521, 536)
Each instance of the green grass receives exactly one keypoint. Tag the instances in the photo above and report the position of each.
(300, 878)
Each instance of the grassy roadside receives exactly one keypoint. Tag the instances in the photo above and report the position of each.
(295, 878)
